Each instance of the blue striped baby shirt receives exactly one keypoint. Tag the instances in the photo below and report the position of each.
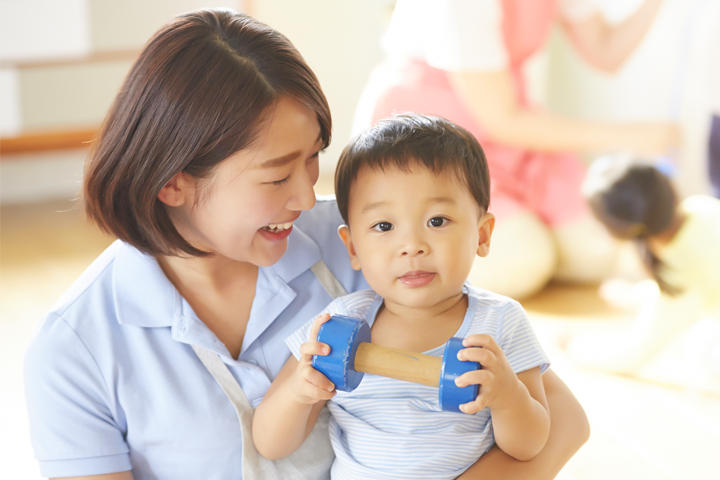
(392, 429)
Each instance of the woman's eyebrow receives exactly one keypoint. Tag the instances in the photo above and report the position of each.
(280, 161)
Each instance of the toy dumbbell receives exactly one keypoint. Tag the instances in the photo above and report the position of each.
(352, 356)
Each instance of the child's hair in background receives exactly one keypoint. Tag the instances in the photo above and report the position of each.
(635, 201)
(411, 139)
(198, 93)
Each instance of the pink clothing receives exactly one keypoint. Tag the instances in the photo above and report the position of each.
(544, 182)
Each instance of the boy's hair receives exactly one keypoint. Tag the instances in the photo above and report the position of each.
(197, 94)
(634, 200)
(404, 141)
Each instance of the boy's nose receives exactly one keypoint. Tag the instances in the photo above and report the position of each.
(414, 246)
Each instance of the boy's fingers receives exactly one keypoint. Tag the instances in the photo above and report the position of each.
(476, 377)
(485, 356)
(318, 379)
(482, 340)
(315, 329)
(472, 407)
(308, 349)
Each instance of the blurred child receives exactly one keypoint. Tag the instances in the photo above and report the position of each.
(679, 242)
(413, 192)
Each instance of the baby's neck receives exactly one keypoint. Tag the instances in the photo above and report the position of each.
(419, 329)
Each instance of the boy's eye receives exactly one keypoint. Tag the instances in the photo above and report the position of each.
(383, 226)
(437, 222)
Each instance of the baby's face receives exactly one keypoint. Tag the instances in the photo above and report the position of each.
(414, 235)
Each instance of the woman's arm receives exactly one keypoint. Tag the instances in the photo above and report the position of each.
(569, 430)
(107, 476)
(608, 46)
(492, 99)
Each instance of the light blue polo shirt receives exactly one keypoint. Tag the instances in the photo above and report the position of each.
(112, 381)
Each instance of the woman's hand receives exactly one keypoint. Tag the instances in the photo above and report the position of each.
(308, 386)
(499, 385)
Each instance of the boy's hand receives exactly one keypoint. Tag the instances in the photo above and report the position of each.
(499, 385)
(307, 384)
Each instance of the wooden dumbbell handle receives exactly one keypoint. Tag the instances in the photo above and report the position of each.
(398, 364)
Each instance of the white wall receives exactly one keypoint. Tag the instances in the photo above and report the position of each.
(340, 40)
(664, 79)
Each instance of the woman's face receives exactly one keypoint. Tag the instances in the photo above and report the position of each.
(245, 211)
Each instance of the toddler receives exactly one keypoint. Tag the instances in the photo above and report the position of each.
(414, 192)
(678, 241)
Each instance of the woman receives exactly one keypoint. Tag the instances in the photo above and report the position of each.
(151, 364)
(463, 60)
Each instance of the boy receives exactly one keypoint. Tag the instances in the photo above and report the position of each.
(414, 192)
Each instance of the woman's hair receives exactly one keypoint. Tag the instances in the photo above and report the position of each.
(635, 201)
(196, 95)
(404, 141)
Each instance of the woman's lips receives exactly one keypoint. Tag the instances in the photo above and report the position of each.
(417, 278)
(275, 236)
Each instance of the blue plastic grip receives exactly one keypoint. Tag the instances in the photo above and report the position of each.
(450, 395)
(343, 335)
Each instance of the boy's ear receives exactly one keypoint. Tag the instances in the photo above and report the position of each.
(177, 191)
(486, 225)
(344, 232)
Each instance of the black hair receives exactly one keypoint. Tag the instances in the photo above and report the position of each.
(403, 141)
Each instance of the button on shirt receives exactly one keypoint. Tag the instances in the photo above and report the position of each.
(112, 382)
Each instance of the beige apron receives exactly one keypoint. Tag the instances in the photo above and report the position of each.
(315, 456)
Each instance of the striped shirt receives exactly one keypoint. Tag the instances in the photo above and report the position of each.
(392, 429)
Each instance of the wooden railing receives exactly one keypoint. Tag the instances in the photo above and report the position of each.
(60, 139)
(47, 140)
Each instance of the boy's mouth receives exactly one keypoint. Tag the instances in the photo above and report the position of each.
(417, 278)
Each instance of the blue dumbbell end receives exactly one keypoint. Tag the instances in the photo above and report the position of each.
(343, 335)
(451, 396)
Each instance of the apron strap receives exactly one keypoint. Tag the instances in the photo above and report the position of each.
(328, 280)
(315, 456)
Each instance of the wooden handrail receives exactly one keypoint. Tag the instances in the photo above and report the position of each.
(48, 140)
(90, 58)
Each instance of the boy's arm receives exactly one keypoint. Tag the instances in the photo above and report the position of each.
(569, 430)
(521, 428)
(521, 421)
(288, 412)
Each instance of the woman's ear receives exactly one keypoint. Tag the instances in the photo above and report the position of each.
(177, 191)
(344, 232)
(486, 225)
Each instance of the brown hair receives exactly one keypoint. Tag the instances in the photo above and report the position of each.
(403, 141)
(635, 201)
(195, 96)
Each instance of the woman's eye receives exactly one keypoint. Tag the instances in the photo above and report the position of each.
(437, 222)
(280, 182)
(383, 226)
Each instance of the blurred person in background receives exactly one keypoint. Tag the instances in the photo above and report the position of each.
(713, 85)
(678, 242)
(463, 60)
(151, 364)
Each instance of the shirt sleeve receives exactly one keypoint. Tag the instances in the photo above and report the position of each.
(519, 342)
(302, 334)
(72, 426)
(452, 35)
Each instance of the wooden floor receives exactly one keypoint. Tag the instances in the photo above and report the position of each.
(655, 427)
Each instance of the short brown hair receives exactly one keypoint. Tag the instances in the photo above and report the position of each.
(195, 96)
(403, 141)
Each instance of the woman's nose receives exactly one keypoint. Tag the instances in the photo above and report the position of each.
(303, 197)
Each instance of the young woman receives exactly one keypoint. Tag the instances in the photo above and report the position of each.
(151, 364)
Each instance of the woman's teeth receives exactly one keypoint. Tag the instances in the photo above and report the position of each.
(277, 227)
